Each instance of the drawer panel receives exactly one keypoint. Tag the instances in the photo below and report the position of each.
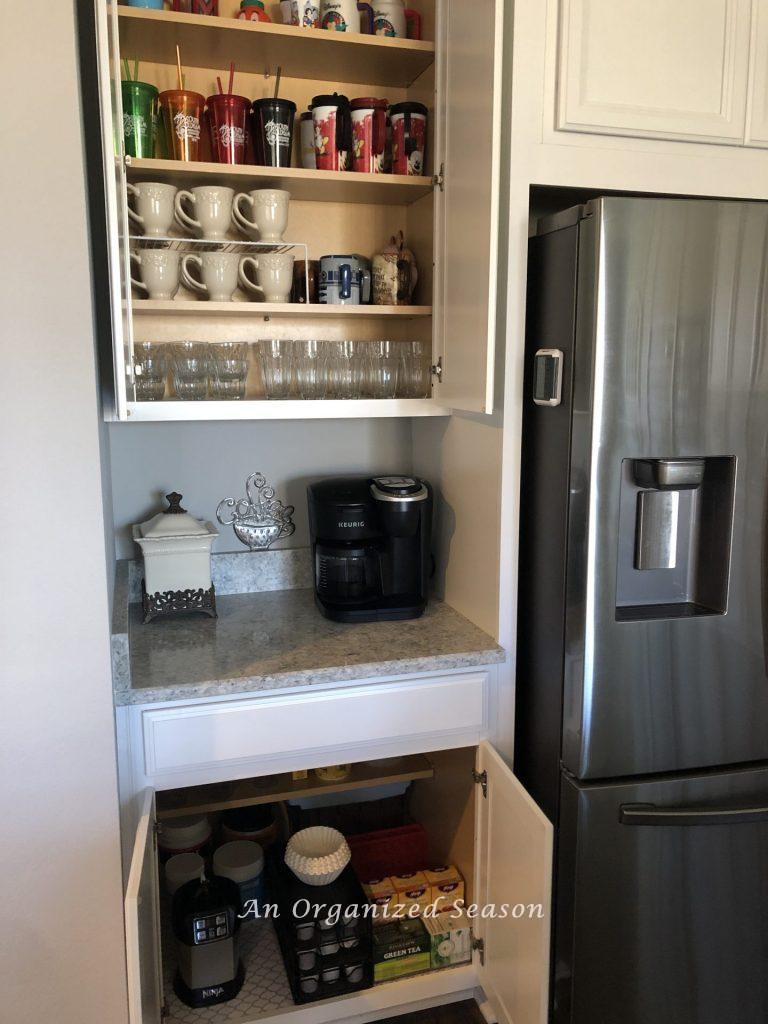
(199, 736)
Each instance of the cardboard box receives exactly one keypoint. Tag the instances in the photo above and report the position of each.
(400, 948)
(411, 892)
(446, 886)
(381, 893)
(450, 936)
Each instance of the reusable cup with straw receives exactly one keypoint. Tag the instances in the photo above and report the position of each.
(228, 122)
(140, 106)
(182, 112)
(273, 129)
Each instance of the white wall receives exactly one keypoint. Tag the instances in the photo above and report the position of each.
(210, 461)
(61, 946)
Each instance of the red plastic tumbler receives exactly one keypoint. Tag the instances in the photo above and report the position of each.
(228, 120)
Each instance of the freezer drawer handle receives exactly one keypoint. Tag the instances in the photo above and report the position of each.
(650, 814)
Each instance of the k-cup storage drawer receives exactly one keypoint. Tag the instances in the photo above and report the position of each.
(237, 738)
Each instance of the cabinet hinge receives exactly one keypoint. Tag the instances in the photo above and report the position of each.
(438, 180)
(157, 830)
(481, 778)
(479, 945)
(436, 369)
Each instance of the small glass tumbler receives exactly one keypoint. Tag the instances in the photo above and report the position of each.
(150, 367)
(311, 369)
(384, 369)
(228, 370)
(190, 370)
(277, 366)
(346, 366)
(414, 378)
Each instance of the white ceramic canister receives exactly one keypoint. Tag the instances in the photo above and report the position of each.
(188, 834)
(242, 862)
(176, 549)
(182, 868)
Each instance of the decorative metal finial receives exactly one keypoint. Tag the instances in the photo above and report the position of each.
(174, 504)
(259, 519)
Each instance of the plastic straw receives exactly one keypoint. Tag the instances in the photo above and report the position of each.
(221, 88)
(277, 80)
(178, 67)
(136, 71)
(231, 76)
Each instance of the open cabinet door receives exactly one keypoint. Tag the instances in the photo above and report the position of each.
(468, 140)
(102, 99)
(514, 869)
(142, 922)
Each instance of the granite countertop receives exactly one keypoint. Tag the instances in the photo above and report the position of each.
(278, 639)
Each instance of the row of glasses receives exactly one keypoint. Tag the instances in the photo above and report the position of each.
(343, 369)
(290, 369)
(199, 370)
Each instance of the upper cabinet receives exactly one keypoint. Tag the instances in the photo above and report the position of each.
(757, 113)
(446, 206)
(657, 69)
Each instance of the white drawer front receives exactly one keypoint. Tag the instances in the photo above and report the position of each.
(198, 736)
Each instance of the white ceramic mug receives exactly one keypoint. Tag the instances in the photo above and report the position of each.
(344, 15)
(218, 273)
(213, 208)
(269, 209)
(274, 275)
(154, 207)
(159, 272)
(305, 13)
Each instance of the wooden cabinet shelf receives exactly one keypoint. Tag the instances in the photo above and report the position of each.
(293, 310)
(260, 48)
(247, 792)
(302, 183)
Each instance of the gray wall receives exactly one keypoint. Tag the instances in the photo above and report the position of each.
(61, 943)
(210, 461)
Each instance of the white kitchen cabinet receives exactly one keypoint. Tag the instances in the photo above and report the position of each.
(757, 110)
(449, 214)
(479, 818)
(184, 743)
(654, 68)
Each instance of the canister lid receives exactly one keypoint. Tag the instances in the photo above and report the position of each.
(239, 861)
(185, 832)
(181, 868)
(174, 521)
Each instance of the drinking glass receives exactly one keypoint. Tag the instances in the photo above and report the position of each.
(345, 369)
(277, 366)
(190, 370)
(384, 369)
(414, 379)
(311, 368)
(229, 370)
(150, 367)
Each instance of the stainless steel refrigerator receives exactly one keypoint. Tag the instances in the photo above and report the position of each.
(642, 690)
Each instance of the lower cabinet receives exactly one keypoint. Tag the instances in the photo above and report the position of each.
(477, 817)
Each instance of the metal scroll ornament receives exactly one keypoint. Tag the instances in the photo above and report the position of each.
(260, 518)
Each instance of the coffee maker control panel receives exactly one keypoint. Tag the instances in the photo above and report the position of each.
(211, 927)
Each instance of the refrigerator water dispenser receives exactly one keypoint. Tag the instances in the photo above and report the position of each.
(674, 537)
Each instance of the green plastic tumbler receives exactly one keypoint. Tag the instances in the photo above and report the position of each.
(140, 110)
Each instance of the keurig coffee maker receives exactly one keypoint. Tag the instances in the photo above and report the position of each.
(205, 929)
(371, 546)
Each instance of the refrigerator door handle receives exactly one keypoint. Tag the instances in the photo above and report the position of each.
(650, 814)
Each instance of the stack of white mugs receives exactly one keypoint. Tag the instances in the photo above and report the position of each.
(208, 212)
